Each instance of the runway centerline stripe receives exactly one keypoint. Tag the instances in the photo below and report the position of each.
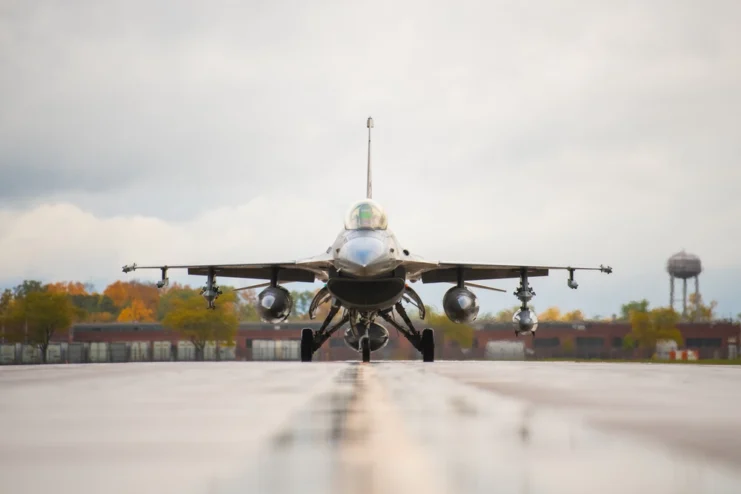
(377, 454)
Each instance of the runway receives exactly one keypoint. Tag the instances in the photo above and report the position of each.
(345, 427)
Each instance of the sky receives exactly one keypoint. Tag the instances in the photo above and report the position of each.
(572, 132)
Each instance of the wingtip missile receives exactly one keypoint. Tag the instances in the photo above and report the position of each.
(605, 269)
(129, 268)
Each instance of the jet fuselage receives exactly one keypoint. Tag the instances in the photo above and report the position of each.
(367, 274)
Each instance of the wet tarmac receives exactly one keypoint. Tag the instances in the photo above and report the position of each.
(345, 427)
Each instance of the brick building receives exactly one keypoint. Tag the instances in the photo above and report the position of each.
(582, 340)
(605, 339)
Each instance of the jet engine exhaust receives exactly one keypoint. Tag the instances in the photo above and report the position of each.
(378, 335)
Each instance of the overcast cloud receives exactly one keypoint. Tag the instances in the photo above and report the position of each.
(583, 133)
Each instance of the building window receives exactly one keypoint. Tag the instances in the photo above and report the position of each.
(589, 347)
(546, 342)
(590, 343)
(704, 343)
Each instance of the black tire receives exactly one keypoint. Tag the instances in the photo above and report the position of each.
(307, 344)
(365, 349)
(428, 345)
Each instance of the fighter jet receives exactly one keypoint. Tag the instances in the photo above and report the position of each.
(367, 274)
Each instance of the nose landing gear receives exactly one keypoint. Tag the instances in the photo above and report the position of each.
(365, 348)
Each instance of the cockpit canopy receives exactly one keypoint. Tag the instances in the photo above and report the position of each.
(366, 215)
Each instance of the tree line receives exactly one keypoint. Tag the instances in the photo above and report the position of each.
(33, 312)
(697, 311)
(648, 325)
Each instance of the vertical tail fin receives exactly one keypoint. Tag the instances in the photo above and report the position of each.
(369, 192)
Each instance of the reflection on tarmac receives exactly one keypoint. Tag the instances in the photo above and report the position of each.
(370, 428)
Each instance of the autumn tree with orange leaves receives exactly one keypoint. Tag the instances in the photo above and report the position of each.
(573, 316)
(136, 301)
(90, 306)
(136, 312)
(550, 314)
(553, 314)
(70, 288)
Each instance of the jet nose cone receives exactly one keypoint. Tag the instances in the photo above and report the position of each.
(363, 256)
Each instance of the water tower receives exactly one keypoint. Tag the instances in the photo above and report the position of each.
(683, 266)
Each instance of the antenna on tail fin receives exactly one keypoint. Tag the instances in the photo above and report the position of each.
(369, 192)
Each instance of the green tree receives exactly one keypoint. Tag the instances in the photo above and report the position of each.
(648, 327)
(85, 302)
(629, 343)
(486, 317)
(301, 304)
(567, 346)
(6, 301)
(189, 317)
(573, 316)
(462, 334)
(105, 304)
(93, 303)
(633, 306)
(699, 312)
(506, 315)
(247, 306)
(38, 315)
(28, 286)
(172, 294)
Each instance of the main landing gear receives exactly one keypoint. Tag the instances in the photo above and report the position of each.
(311, 341)
(307, 344)
(427, 345)
(424, 342)
(360, 323)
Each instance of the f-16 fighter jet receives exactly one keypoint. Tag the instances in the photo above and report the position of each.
(367, 274)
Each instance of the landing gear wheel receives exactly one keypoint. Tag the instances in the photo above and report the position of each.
(307, 344)
(427, 346)
(365, 348)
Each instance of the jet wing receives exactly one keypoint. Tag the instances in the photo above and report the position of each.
(447, 272)
(307, 270)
